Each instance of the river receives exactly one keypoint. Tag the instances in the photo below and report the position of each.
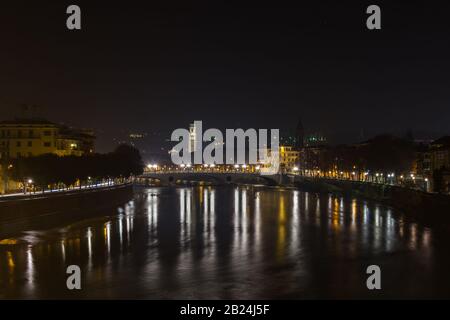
(227, 242)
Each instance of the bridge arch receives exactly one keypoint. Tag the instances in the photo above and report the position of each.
(217, 177)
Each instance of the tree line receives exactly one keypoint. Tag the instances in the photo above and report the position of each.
(50, 169)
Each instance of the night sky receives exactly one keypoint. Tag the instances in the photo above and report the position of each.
(153, 68)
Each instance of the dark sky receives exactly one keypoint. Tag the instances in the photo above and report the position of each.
(138, 66)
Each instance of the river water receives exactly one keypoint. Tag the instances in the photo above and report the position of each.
(228, 242)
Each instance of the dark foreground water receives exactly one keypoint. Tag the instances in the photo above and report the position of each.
(228, 243)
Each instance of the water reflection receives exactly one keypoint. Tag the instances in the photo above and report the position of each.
(227, 242)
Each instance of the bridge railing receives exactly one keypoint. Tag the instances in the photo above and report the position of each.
(33, 193)
(166, 172)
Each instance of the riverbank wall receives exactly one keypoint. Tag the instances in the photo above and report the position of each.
(428, 207)
(64, 203)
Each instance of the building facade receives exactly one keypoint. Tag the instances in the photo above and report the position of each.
(440, 164)
(289, 158)
(34, 137)
(440, 153)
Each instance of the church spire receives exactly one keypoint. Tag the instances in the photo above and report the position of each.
(299, 134)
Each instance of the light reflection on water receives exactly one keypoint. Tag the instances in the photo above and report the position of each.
(229, 242)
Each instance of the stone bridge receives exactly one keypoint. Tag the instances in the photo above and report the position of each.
(173, 177)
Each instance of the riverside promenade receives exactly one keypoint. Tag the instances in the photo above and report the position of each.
(46, 204)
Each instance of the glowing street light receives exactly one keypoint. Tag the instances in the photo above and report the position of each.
(152, 166)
